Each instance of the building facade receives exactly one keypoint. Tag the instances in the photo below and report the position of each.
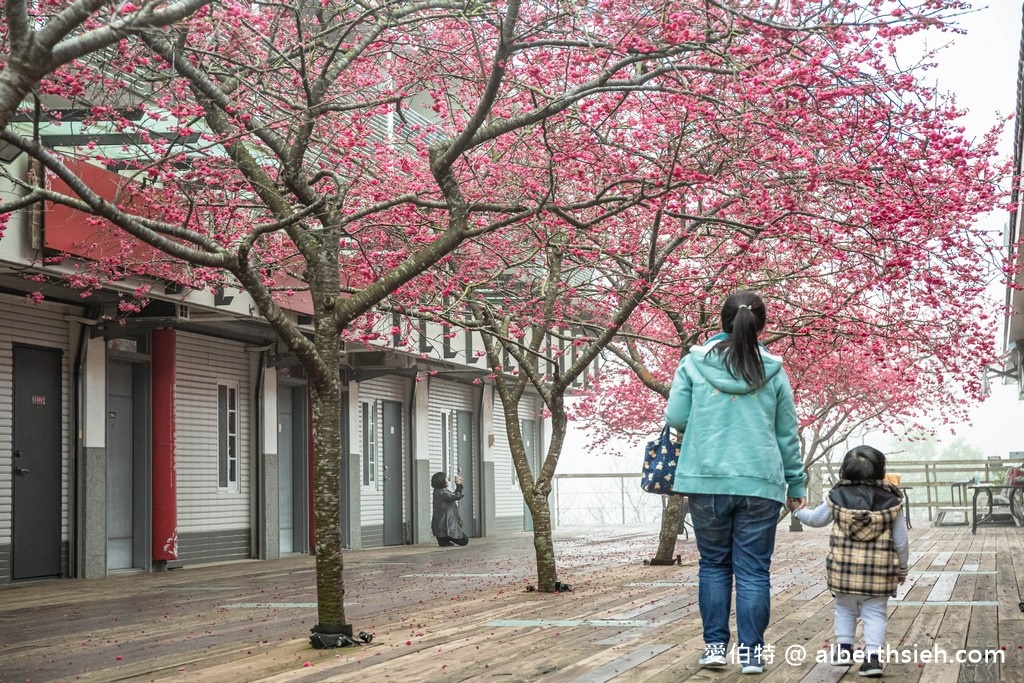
(1013, 339)
(181, 433)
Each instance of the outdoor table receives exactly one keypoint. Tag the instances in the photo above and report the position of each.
(991, 490)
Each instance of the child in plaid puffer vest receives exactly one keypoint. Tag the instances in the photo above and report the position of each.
(868, 552)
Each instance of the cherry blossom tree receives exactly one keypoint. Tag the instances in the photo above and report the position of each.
(870, 268)
(893, 356)
(868, 262)
(39, 41)
(529, 317)
(325, 157)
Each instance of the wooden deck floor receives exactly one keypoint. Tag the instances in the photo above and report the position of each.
(458, 614)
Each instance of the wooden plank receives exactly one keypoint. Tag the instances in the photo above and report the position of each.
(825, 673)
(983, 630)
(688, 609)
(942, 590)
(920, 635)
(678, 663)
(1011, 606)
(673, 615)
(950, 634)
(429, 610)
(950, 637)
(787, 586)
(802, 634)
(622, 664)
(947, 603)
(903, 620)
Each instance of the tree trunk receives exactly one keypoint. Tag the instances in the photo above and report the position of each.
(540, 508)
(543, 542)
(536, 486)
(669, 529)
(330, 586)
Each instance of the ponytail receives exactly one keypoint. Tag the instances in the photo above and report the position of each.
(743, 318)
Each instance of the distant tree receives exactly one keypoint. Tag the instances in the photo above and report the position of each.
(927, 446)
(959, 448)
(915, 444)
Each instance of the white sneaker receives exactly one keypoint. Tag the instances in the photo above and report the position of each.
(713, 657)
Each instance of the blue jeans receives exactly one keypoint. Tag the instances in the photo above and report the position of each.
(735, 537)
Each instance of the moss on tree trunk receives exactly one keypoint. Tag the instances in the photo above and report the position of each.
(669, 527)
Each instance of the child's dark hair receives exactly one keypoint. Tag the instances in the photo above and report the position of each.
(863, 463)
(743, 317)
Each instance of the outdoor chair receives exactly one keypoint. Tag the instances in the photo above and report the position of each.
(1004, 502)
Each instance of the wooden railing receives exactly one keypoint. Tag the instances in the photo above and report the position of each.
(933, 483)
(616, 498)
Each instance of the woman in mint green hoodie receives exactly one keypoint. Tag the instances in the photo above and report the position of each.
(740, 463)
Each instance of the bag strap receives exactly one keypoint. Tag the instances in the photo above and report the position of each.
(666, 433)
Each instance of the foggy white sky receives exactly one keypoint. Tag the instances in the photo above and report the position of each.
(980, 68)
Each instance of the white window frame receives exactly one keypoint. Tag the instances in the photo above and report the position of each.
(228, 441)
(371, 436)
(512, 462)
(448, 464)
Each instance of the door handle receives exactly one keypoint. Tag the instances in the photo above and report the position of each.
(21, 470)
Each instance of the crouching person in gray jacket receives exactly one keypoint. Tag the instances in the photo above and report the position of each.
(445, 523)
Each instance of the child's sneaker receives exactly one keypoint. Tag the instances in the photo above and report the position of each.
(840, 654)
(713, 657)
(872, 666)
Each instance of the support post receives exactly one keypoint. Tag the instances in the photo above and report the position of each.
(165, 485)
